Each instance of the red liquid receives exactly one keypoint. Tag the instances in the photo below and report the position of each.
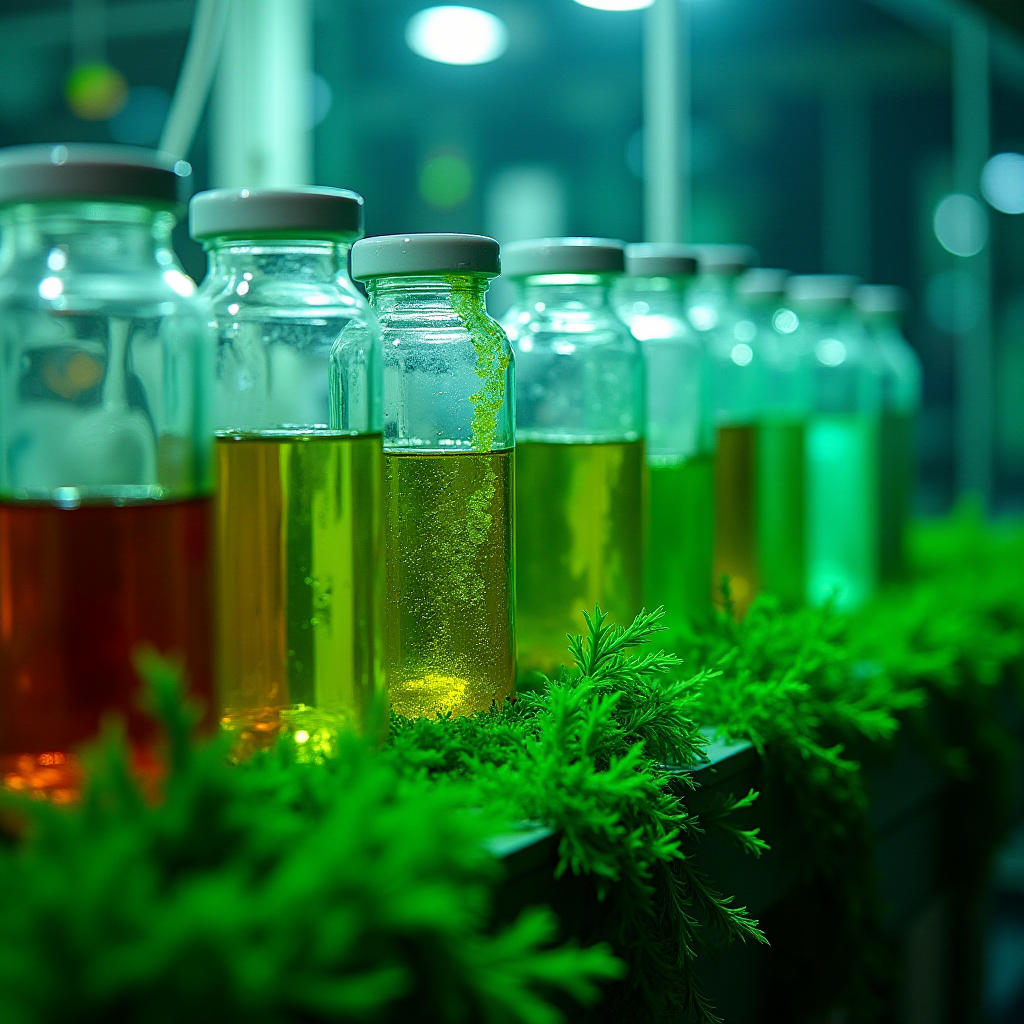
(81, 591)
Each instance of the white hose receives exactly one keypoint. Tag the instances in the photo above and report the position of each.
(196, 77)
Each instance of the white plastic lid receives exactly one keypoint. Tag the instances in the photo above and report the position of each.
(564, 256)
(85, 171)
(409, 255)
(313, 212)
(730, 260)
(881, 299)
(763, 283)
(821, 289)
(660, 259)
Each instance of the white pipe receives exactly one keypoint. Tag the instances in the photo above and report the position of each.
(666, 130)
(193, 89)
(261, 128)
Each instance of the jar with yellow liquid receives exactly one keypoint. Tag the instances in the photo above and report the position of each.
(737, 386)
(580, 462)
(651, 299)
(449, 441)
(299, 484)
(882, 309)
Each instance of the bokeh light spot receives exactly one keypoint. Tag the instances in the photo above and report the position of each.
(1002, 182)
(960, 224)
(96, 92)
(446, 180)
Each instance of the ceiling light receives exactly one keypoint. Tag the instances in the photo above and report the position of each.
(457, 35)
(616, 5)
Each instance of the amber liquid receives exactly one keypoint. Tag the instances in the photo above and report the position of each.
(681, 538)
(581, 522)
(736, 514)
(299, 584)
(449, 613)
(82, 590)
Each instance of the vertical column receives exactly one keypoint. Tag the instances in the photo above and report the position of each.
(261, 123)
(666, 122)
(846, 179)
(971, 143)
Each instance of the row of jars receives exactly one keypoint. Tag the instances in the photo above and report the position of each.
(363, 476)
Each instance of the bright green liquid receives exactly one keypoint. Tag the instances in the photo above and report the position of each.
(842, 509)
(781, 500)
(896, 470)
(681, 538)
(580, 525)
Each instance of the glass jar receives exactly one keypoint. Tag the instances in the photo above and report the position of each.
(882, 308)
(105, 469)
(651, 299)
(298, 493)
(449, 441)
(737, 388)
(580, 462)
(786, 403)
(842, 441)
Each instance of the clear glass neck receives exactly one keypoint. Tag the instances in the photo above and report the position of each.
(312, 259)
(101, 233)
(394, 294)
(592, 291)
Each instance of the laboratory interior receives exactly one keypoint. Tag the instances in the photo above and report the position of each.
(512, 511)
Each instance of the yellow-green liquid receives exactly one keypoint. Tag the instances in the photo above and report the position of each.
(580, 531)
(736, 514)
(681, 540)
(781, 509)
(449, 611)
(298, 561)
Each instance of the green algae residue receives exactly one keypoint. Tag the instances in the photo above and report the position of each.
(493, 355)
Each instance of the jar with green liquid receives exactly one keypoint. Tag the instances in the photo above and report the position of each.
(788, 378)
(842, 442)
(882, 309)
(580, 460)
(651, 299)
(297, 510)
(449, 442)
(737, 391)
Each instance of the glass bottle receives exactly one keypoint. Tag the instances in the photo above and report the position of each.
(882, 309)
(105, 468)
(298, 496)
(651, 299)
(737, 387)
(842, 442)
(449, 442)
(580, 462)
(781, 450)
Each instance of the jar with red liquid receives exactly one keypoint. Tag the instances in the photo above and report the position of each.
(105, 453)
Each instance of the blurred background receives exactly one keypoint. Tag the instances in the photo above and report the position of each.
(829, 134)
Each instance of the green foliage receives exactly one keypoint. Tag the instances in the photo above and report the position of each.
(281, 892)
(600, 755)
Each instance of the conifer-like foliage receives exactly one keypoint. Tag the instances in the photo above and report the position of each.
(600, 755)
(280, 892)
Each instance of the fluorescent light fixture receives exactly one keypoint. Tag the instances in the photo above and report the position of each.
(457, 35)
(616, 5)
